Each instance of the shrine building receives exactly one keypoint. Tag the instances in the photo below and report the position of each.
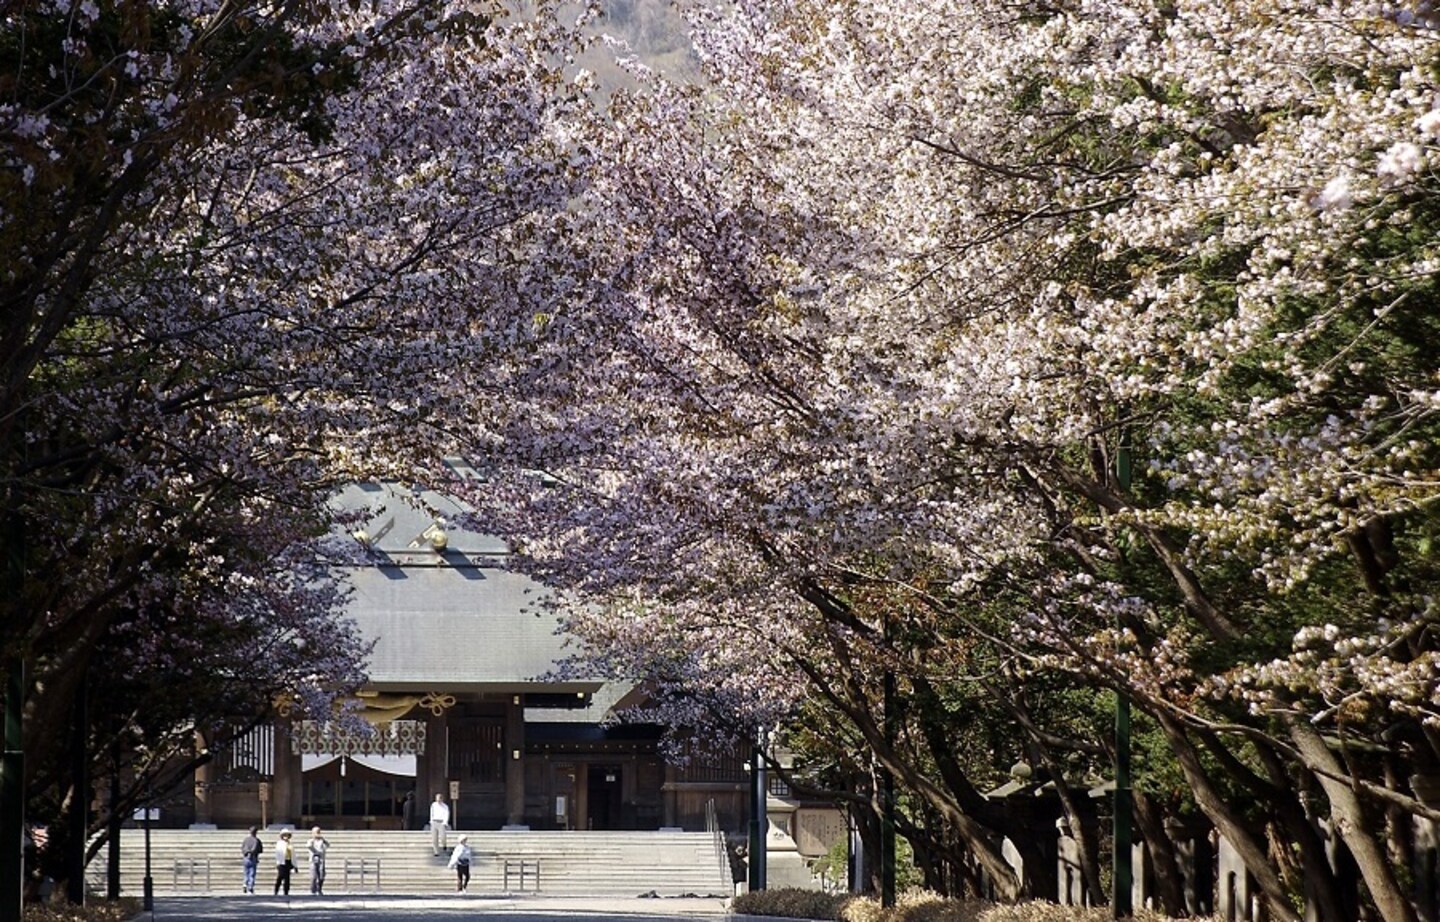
(462, 704)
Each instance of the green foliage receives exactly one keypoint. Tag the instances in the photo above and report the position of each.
(833, 867)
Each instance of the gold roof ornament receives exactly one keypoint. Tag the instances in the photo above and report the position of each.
(382, 707)
(437, 703)
(284, 703)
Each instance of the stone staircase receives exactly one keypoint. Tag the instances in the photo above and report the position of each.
(612, 864)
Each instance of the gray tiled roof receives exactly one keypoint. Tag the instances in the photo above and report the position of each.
(454, 620)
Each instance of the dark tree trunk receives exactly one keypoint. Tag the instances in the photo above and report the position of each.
(1169, 880)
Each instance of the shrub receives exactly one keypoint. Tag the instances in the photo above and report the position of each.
(914, 906)
(1040, 911)
(920, 906)
(926, 906)
(96, 911)
(791, 903)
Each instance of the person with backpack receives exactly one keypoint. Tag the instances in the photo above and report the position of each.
(250, 850)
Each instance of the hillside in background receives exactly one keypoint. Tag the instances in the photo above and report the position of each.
(654, 30)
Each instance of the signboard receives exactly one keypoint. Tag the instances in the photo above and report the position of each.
(147, 813)
(264, 792)
(817, 829)
(454, 790)
(560, 807)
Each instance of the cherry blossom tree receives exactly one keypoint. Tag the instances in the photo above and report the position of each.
(1111, 312)
(247, 249)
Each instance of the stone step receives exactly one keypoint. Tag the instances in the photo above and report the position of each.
(569, 863)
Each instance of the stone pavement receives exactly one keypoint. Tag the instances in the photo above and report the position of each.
(373, 907)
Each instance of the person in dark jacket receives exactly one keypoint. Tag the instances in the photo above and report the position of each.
(407, 811)
(250, 850)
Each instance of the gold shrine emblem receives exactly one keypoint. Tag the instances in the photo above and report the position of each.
(437, 703)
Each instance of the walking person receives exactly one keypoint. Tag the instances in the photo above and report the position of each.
(317, 847)
(250, 850)
(284, 863)
(439, 824)
(460, 862)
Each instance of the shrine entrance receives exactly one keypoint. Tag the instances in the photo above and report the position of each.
(357, 781)
(603, 797)
(347, 793)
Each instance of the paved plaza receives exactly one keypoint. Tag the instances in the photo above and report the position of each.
(431, 909)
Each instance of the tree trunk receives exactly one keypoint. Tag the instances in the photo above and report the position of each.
(1322, 888)
(867, 825)
(1219, 813)
(1348, 817)
(851, 700)
(1082, 832)
(1169, 880)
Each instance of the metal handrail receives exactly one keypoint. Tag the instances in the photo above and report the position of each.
(188, 867)
(717, 839)
(521, 866)
(362, 868)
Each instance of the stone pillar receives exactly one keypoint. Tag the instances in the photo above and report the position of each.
(515, 762)
(1142, 880)
(1233, 898)
(784, 866)
(1012, 857)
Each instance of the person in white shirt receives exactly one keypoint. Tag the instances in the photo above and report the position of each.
(284, 863)
(439, 824)
(460, 862)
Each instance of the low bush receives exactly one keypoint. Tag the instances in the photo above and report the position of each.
(791, 903)
(95, 911)
(919, 906)
(913, 906)
(1054, 912)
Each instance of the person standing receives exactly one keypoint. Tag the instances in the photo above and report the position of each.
(460, 862)
(284, 863)
(317, 847)
(250, 850)
(439, 824)
(407, 811)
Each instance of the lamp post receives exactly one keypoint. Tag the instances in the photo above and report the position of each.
(1121, 900)
(1124, 801)
(890, 728)
(78, 816)
(887, 798)
(12, 797)
(149, 893)
(758, 819)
